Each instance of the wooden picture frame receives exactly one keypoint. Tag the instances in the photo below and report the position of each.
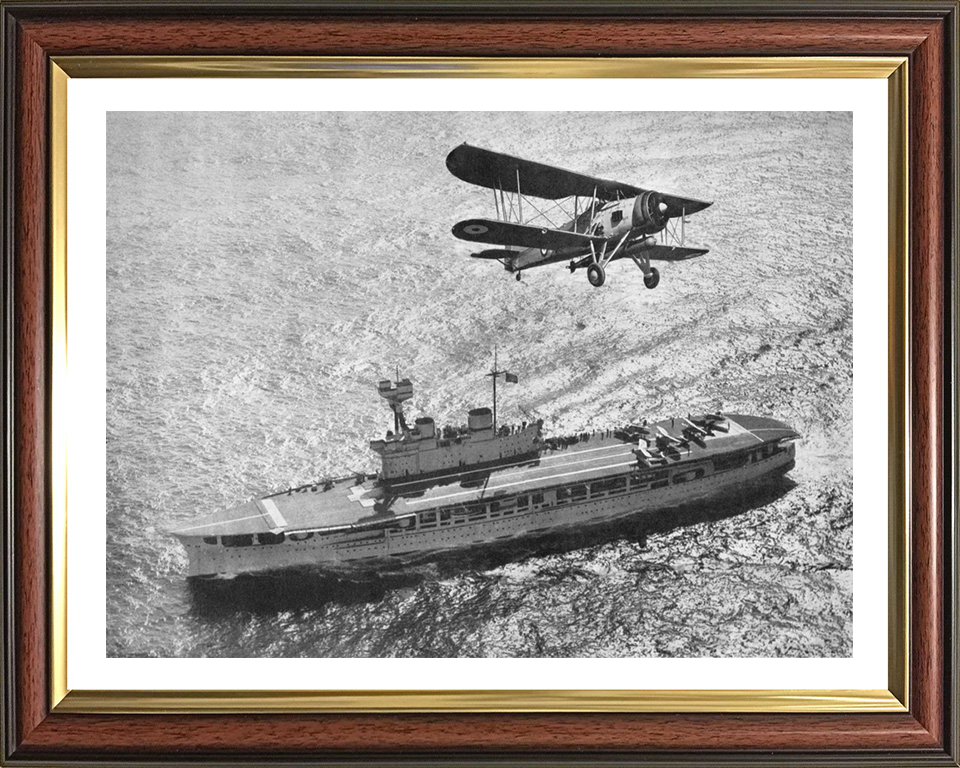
(42, 725)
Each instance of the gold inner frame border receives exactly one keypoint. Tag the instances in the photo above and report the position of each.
(894, 699)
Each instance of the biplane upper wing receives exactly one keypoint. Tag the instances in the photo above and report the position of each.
(522, 235)
(495, 170)
(678, 206)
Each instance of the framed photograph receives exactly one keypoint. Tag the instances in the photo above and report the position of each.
(463, 384)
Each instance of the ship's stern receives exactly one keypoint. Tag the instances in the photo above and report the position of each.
(198, 564)
(214, 542)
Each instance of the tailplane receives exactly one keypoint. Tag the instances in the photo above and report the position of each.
(504, 255)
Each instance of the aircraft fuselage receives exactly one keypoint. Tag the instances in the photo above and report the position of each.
(636, 217)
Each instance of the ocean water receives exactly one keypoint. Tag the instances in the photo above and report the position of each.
(265, 270)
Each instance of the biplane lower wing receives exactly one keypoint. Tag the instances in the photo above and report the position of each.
(672, 252)
(521, 235)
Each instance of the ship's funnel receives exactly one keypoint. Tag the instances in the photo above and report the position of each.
(479, 418)
(426, 426)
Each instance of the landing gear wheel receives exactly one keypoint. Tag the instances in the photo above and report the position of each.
(652, 278)
(572, 267)
(596, 275)
(518, 276)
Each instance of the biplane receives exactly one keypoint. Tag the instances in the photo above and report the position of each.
(588, 221)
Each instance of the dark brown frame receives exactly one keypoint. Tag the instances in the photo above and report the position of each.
(925, 32)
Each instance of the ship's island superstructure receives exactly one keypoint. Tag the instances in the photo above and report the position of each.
(423, 453)
(480, 483)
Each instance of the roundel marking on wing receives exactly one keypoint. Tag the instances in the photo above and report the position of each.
(476, 229)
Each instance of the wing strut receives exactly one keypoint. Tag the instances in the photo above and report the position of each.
(519, 198)
(606, 260)
(603, 258)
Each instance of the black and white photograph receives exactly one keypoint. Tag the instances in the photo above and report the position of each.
(421, 384)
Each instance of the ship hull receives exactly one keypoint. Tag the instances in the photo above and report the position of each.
(628, 494)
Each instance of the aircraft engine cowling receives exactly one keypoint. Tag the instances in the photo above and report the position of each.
(649, 211)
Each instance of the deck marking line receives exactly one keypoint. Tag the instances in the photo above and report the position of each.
(738, 429)
(747, 431)
(270, 510)
(220, 522)
(521, 482)
(559, 454)
(587, 460)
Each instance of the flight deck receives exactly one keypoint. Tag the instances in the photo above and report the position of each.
(586, 457)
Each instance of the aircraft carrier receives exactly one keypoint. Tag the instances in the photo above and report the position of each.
(479, 484)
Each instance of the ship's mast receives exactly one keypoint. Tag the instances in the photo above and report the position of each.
(397, 410)
(395, 393)
(495, 374)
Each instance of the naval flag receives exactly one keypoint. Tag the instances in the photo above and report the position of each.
(511, 378)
